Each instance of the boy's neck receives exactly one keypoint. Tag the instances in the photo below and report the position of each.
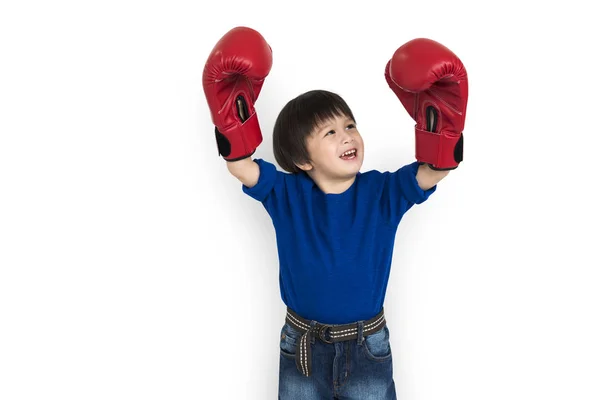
(332, 186)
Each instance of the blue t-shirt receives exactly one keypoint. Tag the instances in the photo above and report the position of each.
(335, 250)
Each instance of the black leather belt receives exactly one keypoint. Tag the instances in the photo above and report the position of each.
(326, 333)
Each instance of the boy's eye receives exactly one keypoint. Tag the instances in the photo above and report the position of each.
(349, 126)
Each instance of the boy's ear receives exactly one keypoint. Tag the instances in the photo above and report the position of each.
(305, 166)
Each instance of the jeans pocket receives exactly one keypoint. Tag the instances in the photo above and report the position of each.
(288, 339)
(377, 345)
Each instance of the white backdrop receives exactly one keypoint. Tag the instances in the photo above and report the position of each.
(133, 266)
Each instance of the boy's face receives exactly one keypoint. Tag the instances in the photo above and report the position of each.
(328, 146)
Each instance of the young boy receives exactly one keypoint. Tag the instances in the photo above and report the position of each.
(335, 226)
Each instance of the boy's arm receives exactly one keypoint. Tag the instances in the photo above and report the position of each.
(245, 170)
(428, 178)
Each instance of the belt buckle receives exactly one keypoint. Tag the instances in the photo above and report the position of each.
(322, 333)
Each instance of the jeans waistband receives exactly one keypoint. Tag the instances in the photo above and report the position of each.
(327, 333)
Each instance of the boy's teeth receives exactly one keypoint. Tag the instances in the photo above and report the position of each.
(348, 153)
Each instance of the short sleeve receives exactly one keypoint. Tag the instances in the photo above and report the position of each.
(266, 181)
(402, 191)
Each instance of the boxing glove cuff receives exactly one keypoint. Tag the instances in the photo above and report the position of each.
(240, 140)
(442, 151)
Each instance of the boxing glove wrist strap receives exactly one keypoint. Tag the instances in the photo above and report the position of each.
(239, 140)
(442, 151)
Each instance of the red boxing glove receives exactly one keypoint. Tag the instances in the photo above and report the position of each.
(431, 82)
(232, 79)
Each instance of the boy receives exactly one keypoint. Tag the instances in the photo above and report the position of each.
(335, 226)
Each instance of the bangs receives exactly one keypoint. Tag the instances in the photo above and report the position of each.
(318, 109)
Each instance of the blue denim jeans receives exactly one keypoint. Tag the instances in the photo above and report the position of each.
(359, 369)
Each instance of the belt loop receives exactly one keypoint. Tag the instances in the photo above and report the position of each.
(313, 323)
(360, 338)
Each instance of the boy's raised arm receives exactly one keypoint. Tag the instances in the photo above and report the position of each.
(428, 178)
(245, 170)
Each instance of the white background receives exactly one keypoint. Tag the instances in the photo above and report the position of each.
(132, 266)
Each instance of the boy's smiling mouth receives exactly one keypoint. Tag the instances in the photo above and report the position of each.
(349, 154)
